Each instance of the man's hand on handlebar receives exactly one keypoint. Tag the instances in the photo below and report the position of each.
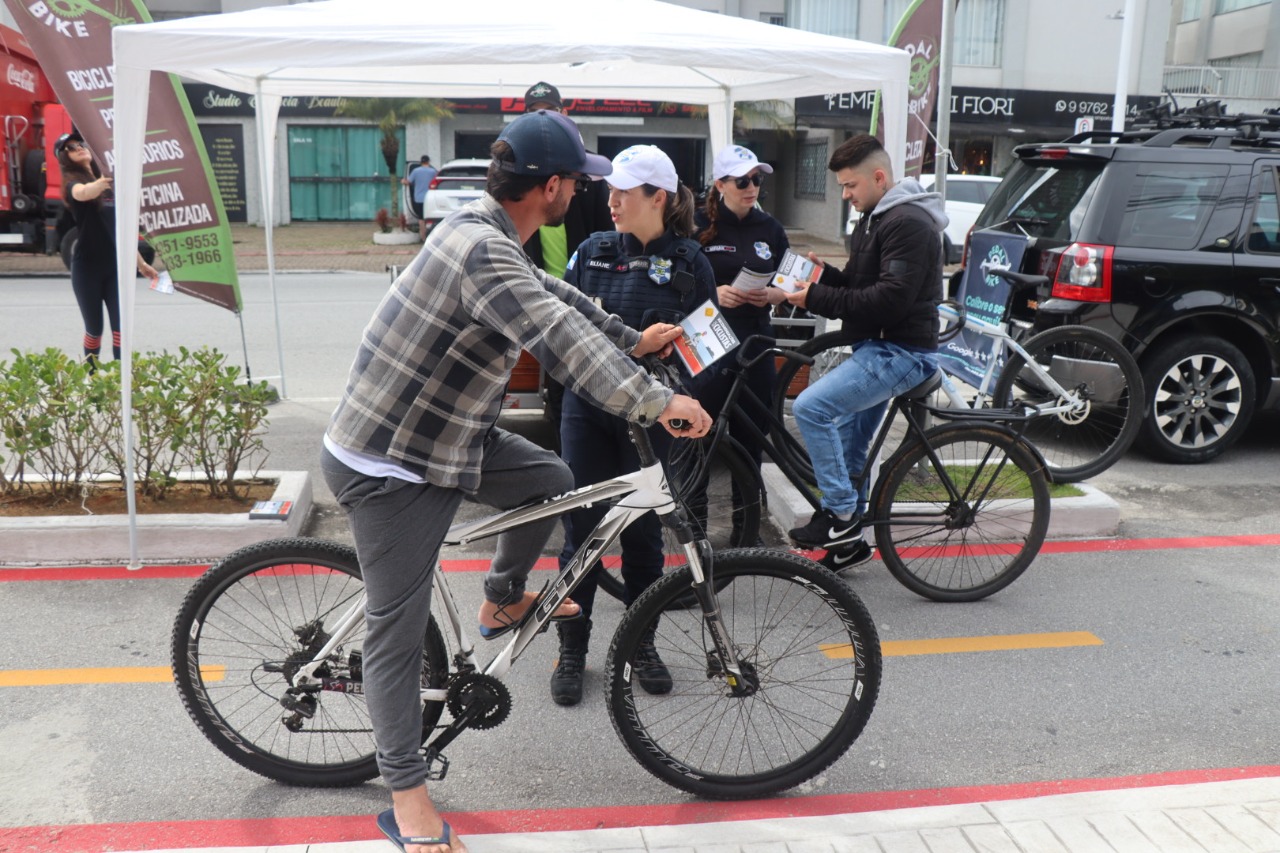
(684, 417)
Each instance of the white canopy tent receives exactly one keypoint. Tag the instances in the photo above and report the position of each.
(624, 49)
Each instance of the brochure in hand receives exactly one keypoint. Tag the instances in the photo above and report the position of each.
(706, 337)
(794, 271)
(751, 280)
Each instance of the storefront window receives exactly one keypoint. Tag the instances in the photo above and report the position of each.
(975, 156)
(811, 170)
(337, 173)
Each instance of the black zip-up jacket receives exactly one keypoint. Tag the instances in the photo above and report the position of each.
(892, 284)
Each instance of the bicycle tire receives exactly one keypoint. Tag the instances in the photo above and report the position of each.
(1079, 444)
(234, 639)
(961, 550)
(808, 639)
(726, 512)
(827, 351)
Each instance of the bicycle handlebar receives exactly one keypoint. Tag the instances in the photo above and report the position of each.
(1017, 279)
(744, 347)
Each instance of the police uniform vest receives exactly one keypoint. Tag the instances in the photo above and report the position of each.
(641, 289)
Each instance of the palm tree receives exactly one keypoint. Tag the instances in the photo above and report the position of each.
(389, 114)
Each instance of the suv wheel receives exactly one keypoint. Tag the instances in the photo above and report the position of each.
(1200, 398)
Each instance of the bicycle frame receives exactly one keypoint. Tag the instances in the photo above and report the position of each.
(1001, 343)
(636, 494)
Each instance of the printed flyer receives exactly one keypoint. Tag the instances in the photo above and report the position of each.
(706, 338)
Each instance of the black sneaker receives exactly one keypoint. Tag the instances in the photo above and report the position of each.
(848, 557)
(827, 530)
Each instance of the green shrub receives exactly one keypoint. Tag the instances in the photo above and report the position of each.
(63, 422)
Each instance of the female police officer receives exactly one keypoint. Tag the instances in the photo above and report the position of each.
(647, 271)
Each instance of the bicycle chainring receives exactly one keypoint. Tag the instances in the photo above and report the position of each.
(468, 688)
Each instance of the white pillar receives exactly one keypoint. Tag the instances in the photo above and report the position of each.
(1122, 73)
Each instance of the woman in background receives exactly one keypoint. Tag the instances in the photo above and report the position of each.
(87, 194)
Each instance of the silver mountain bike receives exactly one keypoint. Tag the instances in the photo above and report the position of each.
(775, 666)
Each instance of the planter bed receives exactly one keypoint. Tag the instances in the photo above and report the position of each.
(59, 540)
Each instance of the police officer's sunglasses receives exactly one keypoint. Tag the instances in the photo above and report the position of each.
(753, 180)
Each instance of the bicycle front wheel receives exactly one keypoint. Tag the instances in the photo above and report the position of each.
(807, 646)
(241, 635)
(960, 514)
(1084, 440)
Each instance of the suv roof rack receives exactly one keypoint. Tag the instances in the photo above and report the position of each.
(1165, 125)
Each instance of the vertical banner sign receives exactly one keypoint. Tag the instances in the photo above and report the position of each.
(919, 33)
(181, 211)
(983, 295)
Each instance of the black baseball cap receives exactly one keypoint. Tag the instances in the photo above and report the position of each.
(546, 144)
(73, 136)
(542, 93)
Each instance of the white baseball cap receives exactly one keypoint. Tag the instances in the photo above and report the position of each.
(643, 164)
(734, 161)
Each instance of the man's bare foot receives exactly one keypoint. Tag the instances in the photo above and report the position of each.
(416, 817)
(497, 619)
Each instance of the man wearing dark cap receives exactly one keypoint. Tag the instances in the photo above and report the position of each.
(551, 246)
(415, 431)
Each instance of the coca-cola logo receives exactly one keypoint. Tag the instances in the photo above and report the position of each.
(22, 78)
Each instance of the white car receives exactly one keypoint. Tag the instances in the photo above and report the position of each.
(457, 182)
(966, 196)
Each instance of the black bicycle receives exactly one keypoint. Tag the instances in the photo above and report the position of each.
(959, 510)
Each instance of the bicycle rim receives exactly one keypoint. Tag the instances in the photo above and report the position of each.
(961, 550)
(1088, 439)
(802, 634)
(241, 633)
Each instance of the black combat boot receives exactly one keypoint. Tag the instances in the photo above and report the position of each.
(651, 672)
(566, 680)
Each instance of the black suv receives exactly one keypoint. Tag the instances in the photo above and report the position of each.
(1166, 237)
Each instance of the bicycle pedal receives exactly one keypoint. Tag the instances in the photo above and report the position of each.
(433, 758)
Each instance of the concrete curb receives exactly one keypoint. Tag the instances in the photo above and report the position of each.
(162, 538)
(1093, 514)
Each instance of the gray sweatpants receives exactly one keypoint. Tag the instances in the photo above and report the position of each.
(398, 527)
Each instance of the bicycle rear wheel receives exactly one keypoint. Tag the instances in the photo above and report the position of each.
(805, 641)
(1087, 440)
(962, 513)
(241, 634)
(722, 497)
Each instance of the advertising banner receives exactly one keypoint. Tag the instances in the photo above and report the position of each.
(919, 33)
(182, 214)
(983, 296)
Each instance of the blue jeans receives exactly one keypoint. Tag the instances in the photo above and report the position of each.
(838, 415)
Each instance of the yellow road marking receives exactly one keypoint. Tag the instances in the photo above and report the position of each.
(889, 648)
(98, 675)
(951, 645)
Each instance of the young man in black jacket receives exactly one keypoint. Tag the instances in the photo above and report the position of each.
(887, 300)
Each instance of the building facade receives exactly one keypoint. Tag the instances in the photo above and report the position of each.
(1023, 70)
